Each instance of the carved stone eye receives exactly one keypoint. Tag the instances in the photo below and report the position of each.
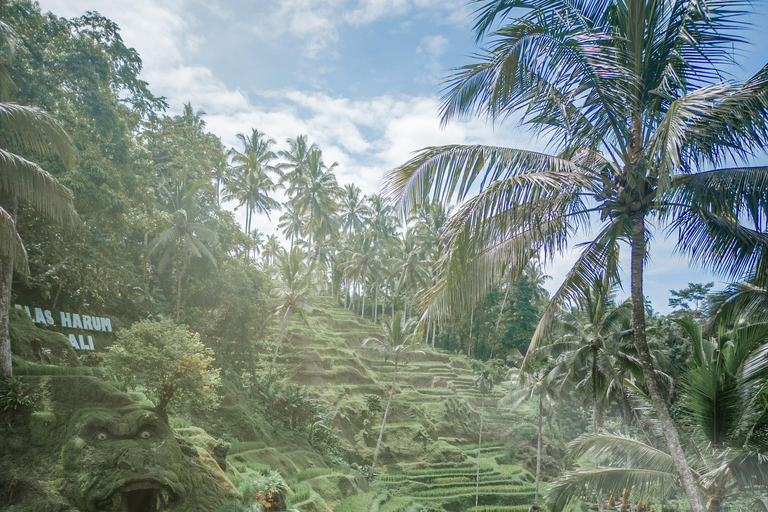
(146, 434)
(102, 436)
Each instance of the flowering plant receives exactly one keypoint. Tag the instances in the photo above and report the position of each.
(270, 490)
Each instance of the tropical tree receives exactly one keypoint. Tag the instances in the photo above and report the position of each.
(292, 224)
(353, 209)
(251, 183)
(295, 160)
(272, 249)
(292, 295)
(360, 262)
(591, 339)
(630, 94)
(315, 197)
(487, 375)
(25, 130)
(396, 344)
(538, 383)
(726, 422)
(186, 237)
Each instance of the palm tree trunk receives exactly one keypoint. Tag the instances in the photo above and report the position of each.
(6, 283)
(646, 363)
(362, 307)
(384, 422)
(178, 297)
(501, 310)
(538, 451)
(434, 328)
(594, 390)
(375, 305)
(426, 338)
(283, 324)
(479, 446)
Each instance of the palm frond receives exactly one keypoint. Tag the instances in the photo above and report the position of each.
(11, 245)
(27, 181)
(708, 212)
(448, 172)
(598, 257)
(33, 130)
(646, 485)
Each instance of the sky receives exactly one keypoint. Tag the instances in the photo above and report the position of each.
(362, 78)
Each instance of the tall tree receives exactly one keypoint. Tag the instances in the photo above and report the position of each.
(252, 183)
(25, 130)
(353, 208)
(630, 94)
(536, 383)
(292, 295)
(396, 345)
(186, 237)
(725, 417)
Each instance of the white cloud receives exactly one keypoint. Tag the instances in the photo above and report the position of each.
(318, 22)
(367, 136)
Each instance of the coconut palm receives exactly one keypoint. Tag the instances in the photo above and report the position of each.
(360, 261)
(630, 94)
(726, 417)
(397, 345)
(292, 224)
(522, 387)
(292, 295)
(186, 237)
(353, 208)
(272, 249)
(295, 159)
(25, 130)
(315, 197)
(591, 340)
(251, 183)
(487, 375)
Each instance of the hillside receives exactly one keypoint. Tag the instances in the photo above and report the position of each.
(428, 459)
(429, 448)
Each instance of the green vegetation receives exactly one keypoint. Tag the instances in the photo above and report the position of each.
(243, 370)
(168, 361)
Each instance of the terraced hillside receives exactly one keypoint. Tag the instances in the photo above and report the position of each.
(430, 442)
(451, 486)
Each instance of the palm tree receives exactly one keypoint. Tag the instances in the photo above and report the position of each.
(397, 345)
(292, 224)
(590, 341)
(414, 273)
(487, 375)
(252, 182)
(360, 263)
(631, 97)
(25, 130)
(295, 160)
(523, 387)
(272, 249)
(353, 208)
(315, 197)
(293, 295)
(727, 423)
(186, 237)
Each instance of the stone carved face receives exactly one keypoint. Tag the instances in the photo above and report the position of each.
(123, 460)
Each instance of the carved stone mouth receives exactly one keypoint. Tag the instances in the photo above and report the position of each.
(143, 496)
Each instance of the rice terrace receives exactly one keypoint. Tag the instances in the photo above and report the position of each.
(384, 256)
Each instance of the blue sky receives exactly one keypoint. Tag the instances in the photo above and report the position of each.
(362, 78)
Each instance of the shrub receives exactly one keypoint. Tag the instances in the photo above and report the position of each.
(270, 490)
(372, 403)
(13, 396)
(169, 361)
